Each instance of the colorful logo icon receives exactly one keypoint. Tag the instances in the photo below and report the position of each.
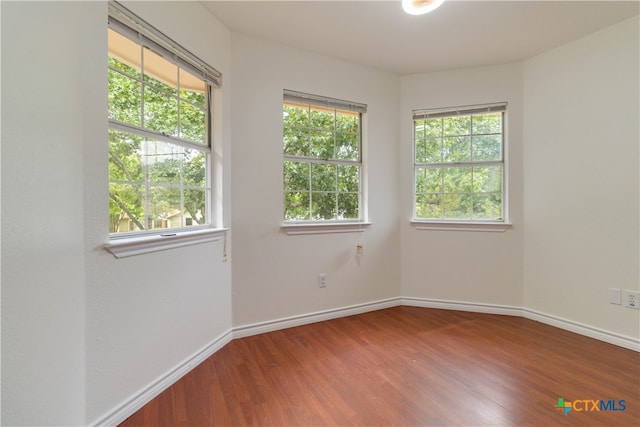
(563, 406)
(590, 405)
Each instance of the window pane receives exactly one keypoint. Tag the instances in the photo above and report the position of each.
(197, 99)
(130, 71)
(429, 206)
(433, 127)
(429, 180)
(322, 118)
(296, 176)
(487, 179)
(296, 142)
(125, 95)
(419, 132)
(348, 178)
(347, 146)
(192, 123)
(194, 175)
(160, 111)
(421, 181)
(295, 115)
(487, 147)
(125, 157)
(433, 150)
(127, 192)
(348, 206)
(347, 121)
(487, 206)
(296, 206)
(322, 144)
(195, 208)
(457, 149)
(456, 125)
(429, 150)
(487, 123)
(457, 206)
(323, 205)
(164, 162)
(194, 168)
(323, 177)
(421, 151)
(164, 207)
(126, 208)
(457, 180)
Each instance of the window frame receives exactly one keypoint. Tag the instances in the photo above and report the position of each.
(144, 35)
(463, 224)
(317, 226)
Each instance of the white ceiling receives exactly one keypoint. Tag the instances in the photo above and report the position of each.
(460, 34)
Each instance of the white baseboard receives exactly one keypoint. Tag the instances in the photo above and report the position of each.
(137, 401)
(548, 319)
(319, 316)
(582, 329)
(131, 405)
(506, 310)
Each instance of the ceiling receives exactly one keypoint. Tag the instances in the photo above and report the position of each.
(459, 34)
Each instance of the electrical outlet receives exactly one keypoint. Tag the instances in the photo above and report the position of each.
(632, 299)
(359, 249)
(322, 280)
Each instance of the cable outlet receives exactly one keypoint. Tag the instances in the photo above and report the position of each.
(632, 299)
(322, 280)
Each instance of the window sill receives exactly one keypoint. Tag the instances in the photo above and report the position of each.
(499, 227)
(325, 228)
(126, 247)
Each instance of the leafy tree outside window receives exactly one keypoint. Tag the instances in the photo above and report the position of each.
(459, 164)
(322, 165)
(158, 141)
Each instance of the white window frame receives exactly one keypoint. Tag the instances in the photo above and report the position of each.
(128, 24)
(294, 227)
(496, 225)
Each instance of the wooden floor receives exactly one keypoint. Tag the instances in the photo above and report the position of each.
(405, 366)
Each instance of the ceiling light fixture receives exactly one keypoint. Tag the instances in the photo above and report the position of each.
(420, 7)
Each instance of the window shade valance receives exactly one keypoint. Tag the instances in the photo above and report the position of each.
(130, 25)
(459, 111)
(305, 98)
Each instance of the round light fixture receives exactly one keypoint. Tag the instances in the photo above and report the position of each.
(420, 7)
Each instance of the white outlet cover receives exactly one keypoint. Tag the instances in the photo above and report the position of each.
(632, 299)
(615, 296)
(322, 280)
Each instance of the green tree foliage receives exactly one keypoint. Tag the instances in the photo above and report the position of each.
(458, 172)
(151, 181)
(322, 166)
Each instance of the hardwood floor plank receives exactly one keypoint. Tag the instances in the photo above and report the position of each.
(405, 366)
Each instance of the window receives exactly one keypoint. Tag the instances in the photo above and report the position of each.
(459, 164)
(159, 130)
(322, 145)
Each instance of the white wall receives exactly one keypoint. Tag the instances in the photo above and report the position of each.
(44, 94)
(82, 331)
(481, 267)
(581, 178)
(274, 274)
